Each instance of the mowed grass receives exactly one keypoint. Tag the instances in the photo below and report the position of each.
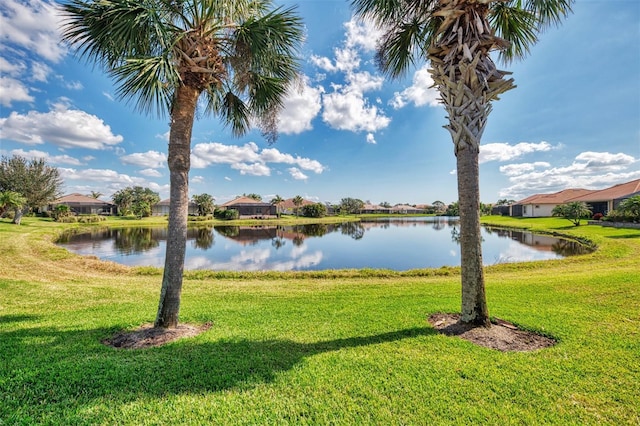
(339, 347)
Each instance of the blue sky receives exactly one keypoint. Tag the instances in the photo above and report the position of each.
(572, 122)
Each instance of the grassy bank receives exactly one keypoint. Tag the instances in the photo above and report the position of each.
(341, 347)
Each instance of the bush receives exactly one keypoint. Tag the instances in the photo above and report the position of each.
(598, 216)
(91, 219)
(67, 219)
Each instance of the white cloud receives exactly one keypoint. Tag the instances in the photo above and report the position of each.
(297, 173)
(74, 85)
(40, 71)
(518, 169)
(361, 82)
(53, 159)
(204, 154)
(12, 90)
(255, 169)
(506, 152)
(590, 170)
(227, 178)
(605, 160)
(149, 159)
(248, 159)
(150, 173)
(419, 93)
(63, 127)
(371, 138)
(110, 97)
(351, 111)
(13, 68)
(196, 179)
(33, 26)
(363, 34)
(301, 106)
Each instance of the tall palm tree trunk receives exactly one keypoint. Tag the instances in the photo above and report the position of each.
(468, 81)
(182, 116)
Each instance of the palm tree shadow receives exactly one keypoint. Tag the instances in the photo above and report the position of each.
(71, 363)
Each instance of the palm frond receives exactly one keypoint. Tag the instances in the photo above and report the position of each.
(549, 12)
(149, 82)
(517, 26)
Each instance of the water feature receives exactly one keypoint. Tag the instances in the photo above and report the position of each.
(400, 243)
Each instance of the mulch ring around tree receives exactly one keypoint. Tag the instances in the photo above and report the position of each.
(502, 335)
(146, 336)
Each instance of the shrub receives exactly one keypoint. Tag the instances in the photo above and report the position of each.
(598, 216)
(91, 219)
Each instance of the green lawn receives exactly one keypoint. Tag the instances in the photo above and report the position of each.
(342, 347)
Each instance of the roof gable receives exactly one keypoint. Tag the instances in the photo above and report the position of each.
(79, 199)
(244, 200)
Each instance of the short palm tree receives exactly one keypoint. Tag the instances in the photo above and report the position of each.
(11, 200)
(232, 58)
(297, 201)
(457, 38)
(277, 201)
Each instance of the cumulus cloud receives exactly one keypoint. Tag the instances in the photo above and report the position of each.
(40, 71)
(53, 159)
(297, 173)
(347, 107)
(12, 90)
(63, 127)
(301, 105)
(351, 111)
(248, 158)
(149, 159)
(590, 170)
(506, 152)
(150, 173)
(419, 93)
(32, 26)
(371, 138)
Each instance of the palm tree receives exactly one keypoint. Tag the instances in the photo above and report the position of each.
(96, 194)
(232, 58)
(573, 211)
(457, 37)
(276, 201)
(205, 202)
(12, 200)
(297, 201)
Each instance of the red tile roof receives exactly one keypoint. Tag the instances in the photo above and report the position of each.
(560, 197)
(79, 199)
(615, 192)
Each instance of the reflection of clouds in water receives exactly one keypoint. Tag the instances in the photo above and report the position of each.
(298, 251)
(256, 260)
(517, 252)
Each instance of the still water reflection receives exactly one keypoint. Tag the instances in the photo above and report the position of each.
(389, 243)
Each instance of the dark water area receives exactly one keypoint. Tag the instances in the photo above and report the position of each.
(386, 243)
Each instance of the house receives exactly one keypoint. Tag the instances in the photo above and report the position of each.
(541, 205)
(608, 199)
(250, 208)
(405, 209)
(83, 204)
(374, 209)
(599, 201)
(162, 208)
(288, 206)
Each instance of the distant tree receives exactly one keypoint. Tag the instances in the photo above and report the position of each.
(573, 211)
(385, 204)
(96, 194)
(314, 210)
(135, 200)
(36, 181)
(205, 203)
(351, 205)
(277, 201)
(485, 209)
(297, 201)
(453, 209)
(631, 207)
(439, 207)
(505, 202)
(11, 200)
(256, 197)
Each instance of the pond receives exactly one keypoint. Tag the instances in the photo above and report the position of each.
(388, 243)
